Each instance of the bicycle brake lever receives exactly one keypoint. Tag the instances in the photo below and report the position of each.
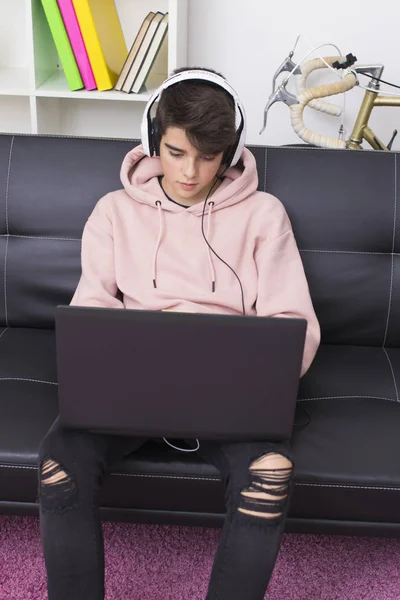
(280, 95)
(287, 65)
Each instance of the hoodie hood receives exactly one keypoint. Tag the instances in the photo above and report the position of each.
(139, 177)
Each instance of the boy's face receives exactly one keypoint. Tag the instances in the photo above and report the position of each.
(188, 173)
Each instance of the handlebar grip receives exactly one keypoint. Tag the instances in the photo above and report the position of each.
(328, 89)
(306, 69)
(297, 110)
(318, 63)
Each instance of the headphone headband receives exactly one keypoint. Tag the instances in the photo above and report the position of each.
(195, 74)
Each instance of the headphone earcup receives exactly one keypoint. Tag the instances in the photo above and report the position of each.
(230, 152)
(154, 138)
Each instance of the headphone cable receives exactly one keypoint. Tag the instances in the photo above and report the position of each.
(219, 177)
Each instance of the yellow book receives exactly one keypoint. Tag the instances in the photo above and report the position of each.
(104, 40)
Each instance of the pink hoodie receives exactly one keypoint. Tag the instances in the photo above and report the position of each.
(136, 239)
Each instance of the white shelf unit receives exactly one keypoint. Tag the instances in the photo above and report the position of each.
(34, 95)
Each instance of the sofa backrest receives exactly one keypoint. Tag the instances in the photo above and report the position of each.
(342, 205)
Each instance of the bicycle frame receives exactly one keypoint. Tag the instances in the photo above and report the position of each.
(361, 130)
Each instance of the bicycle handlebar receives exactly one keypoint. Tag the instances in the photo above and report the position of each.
(306, 69)
(310, 94)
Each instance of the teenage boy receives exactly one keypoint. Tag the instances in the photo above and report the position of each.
(189, 199)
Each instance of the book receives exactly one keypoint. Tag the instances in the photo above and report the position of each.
(151, 55)
(68, 14)
(134, 50)
(141, 54)
(104, 40)
(62, 44)
(159, 69)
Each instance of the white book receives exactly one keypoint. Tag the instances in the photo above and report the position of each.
(142, 53)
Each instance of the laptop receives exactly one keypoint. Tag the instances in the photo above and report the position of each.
(178, 375)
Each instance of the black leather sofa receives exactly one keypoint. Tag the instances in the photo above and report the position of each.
(345, 213)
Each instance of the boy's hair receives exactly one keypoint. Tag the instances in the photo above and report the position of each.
(203, 109)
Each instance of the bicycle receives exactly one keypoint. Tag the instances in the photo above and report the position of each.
(312, 97)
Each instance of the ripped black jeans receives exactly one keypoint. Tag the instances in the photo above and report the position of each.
(72, 464)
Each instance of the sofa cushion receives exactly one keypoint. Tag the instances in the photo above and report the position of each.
(346, 457)
(352, 372)
(343, 206)
(28, 391)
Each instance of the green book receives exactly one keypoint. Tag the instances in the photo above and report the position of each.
(63, 45)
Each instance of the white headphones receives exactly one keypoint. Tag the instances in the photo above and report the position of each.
(149, 131)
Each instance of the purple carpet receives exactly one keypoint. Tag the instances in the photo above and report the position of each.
(152, 562)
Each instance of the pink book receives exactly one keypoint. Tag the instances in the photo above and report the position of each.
(68, 14)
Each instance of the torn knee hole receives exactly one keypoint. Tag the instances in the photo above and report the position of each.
(267, 494)
(58, 490)
(52, 473)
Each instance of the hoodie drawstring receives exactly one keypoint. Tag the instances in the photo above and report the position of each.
(160, 234)
(210, 262)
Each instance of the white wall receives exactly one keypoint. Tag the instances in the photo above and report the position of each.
(247, 40)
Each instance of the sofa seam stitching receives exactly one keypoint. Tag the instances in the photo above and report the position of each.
(351, 252)
(39, 237)
(149, 475)
(8, 230)
(393, 375)
(265, 169)
(393, 247)
(344, 396)
(27, 379)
